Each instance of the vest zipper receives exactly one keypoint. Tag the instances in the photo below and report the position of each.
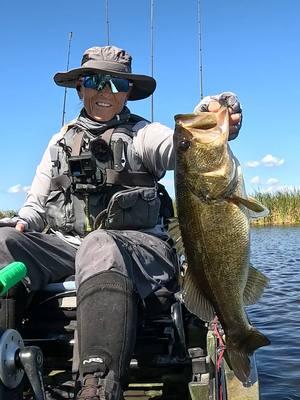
(87, 225)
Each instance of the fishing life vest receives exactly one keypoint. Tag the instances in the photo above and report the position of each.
(100, 182)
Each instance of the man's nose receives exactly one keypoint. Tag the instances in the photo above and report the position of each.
(106, 89)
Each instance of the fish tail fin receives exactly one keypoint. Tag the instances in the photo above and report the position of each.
(238, 356)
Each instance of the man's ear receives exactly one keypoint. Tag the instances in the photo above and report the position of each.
(128, 94)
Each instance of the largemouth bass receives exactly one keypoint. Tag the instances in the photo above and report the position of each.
(214, 218)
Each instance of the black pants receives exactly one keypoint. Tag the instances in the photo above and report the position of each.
(140, 261)
(148, 261)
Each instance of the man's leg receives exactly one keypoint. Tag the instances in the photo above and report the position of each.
(47, 258)
(106, 318)
(113, 269)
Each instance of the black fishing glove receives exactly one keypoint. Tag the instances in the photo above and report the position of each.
(229, 100)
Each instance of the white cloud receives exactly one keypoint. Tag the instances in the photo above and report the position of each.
(15, 189)
(252, 164)
(255, 180)
(18, 189)
(272, 181)
(275, 188)
(271, 161)
(268, 161)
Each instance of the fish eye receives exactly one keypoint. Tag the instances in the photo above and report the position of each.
(184, 144)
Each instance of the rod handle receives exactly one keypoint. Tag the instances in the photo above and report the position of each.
(10, 275)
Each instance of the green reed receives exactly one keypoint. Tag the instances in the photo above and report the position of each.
(8, 213)
(284, 207)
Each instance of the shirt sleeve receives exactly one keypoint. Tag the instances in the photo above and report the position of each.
(33, 210)
(153, 143)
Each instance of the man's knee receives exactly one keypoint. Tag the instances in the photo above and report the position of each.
(99, 237)
(98, 253)
(9, 239)
(9, 234)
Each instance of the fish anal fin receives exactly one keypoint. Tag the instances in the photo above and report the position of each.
(194, 299)
(255, 285)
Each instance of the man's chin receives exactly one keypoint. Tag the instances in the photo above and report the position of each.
(99, 118)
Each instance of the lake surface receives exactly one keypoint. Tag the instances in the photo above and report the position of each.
(276, 252)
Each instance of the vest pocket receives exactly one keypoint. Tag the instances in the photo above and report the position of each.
(135, 208)
(59, 211)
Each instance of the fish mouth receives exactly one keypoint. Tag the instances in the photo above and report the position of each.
(203, 121)
(204, 127)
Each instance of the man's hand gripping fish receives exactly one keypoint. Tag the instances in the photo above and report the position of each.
(214, 213)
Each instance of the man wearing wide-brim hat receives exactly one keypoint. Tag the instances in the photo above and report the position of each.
(97, 189)
(108, 60)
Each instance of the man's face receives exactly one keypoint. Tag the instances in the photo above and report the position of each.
(102, 105)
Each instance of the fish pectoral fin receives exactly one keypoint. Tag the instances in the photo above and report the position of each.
(175, 233)
(194, 299)
(255, 285)
(256, 209)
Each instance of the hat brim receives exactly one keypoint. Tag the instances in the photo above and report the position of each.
(143, 85)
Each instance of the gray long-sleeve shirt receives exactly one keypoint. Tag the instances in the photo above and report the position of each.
(153, 143)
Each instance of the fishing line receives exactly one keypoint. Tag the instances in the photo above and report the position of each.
(65, 94)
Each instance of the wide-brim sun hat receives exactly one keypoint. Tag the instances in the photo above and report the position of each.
(108, 60)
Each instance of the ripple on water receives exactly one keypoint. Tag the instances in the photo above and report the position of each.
(275, 251)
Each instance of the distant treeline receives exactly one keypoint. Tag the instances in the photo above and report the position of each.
(284, 208)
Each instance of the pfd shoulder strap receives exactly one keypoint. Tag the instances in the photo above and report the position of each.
(119, 175)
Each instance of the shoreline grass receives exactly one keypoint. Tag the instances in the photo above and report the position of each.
(284, 208)
(7, 213)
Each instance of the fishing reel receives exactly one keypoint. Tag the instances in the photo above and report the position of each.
(16, 360)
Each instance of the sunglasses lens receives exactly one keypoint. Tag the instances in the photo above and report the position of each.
(99, 81)
(91, 82)
(119, 84)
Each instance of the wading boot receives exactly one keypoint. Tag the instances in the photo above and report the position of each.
(94, 387)
(106, 323)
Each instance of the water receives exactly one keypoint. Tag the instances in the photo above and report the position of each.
(276, 252)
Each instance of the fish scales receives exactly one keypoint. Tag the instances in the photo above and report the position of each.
(214, 218)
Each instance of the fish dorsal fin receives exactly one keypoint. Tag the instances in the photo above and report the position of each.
(255, 285)
(194, 299)
(257, 210)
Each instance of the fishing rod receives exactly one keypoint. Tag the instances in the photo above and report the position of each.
(107, 22)
(200, 50)
(152, 53)
(65, 94)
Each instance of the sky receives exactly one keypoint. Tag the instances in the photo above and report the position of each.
(248, 47)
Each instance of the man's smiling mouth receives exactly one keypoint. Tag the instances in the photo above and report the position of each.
(100, 104)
